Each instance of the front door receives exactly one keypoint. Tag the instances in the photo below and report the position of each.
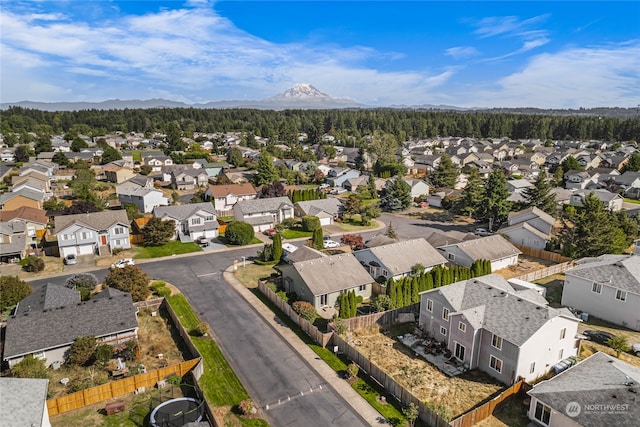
(104, 240)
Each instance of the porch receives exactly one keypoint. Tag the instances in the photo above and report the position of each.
(435, 353)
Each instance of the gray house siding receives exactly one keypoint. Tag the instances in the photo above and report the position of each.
(508, 355)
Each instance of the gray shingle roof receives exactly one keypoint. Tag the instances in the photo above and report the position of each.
(536, 211)
(332, 274)
(304, 253)
(598, 380)
(400, 257)
(621, 271)
(263, 205)
(182, 212)
(331, 206)
(22, 401)
(506, 313)
(97, 220)
(47, 297)
(24, 192)
(491, 247)
(40, 330)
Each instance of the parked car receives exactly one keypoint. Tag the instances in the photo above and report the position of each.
(635, 349)
(601, 337)
(202, 241)
(70, 259)
(482, 232)
(270, 232)
(331, 244)
(122, 263)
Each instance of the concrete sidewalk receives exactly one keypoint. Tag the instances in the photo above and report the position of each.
(356, 401)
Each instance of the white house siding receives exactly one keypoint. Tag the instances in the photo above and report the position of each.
(557, 419)
(577, 293)
(503, 263)
(525, 238)
(544, 348)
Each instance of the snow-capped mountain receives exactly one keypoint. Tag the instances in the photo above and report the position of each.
(303, 91)
(305, 95)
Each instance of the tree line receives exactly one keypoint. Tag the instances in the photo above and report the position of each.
(348, 126)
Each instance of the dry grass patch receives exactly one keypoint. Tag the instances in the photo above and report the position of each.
(525, 265)
(106, 261)
(590, 347)
(250, 274)
(451, 396)
(52, 265)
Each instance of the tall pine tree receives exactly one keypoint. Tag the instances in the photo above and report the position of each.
(540, 195)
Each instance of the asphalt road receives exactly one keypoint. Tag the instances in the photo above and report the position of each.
(275, 375)
(288, 390)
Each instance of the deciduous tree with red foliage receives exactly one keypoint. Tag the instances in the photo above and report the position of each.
(353, 240)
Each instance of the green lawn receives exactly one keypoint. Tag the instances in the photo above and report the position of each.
(353, 224)
(220, 385)
(174, 247)
(637, 202)
(296, 233)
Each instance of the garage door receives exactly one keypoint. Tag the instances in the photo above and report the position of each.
(85, 250)
(325, 221)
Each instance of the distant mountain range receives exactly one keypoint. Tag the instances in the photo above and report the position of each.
(302, 96)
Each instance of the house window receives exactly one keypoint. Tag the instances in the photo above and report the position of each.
(459, 351)
(462, 326)
(496, 341)
(195, 221)
(430, 305)
(208, 218)
(496, 364)
(39, 355)
(362, 288)
(445, 313)
(119, 230)
(323, 299)
(597, 288)
(443, 330)
(621, 295)
(85, 235)
(542, 413)
(385, 272)
(532, 368)
(451, 257)
(563, 333)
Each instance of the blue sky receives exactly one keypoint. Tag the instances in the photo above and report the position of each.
(468, 54)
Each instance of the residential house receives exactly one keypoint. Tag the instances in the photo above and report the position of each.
(189, 179)
(629, 182)
(398, 259)
(192, 221)
(92, 233)
(517, 187)
(432, 162)
(327, 210)
(138, 181)
(48, 333)
(145, 199)
(353, 183)
(263, 214)
(20, 232)
(598, 391)
(47, 168)
(23, 197)
(225, 196)
(610, 201)
(117, 174)
(496, 249)
(338, 176)
(588, 161)
(579, 180)
(419, 188)
(309, 279)
(607, 287)
(157, 161)
(530, 227)
(488, 325)
(23, 402)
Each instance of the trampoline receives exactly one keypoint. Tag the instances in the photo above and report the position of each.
(177, 412)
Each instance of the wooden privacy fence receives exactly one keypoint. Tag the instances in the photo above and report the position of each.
(484, 411)
(542, 254)
(308, 327)
(136, 239)
(391, 386)
(388, 317)
(117, 388)
(152, 304)
(554, 269)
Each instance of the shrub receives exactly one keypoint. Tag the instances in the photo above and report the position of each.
(82, 350)
(157, 232)
(239, 233)
(203, 328)
(359, 299)
(283, 295)
(289, 222)
(84, 283)
(340, 327)
(12, 291)
(157, 284)
(104, 353)
(32, 264)
(129, 279)
(352, 370)
(247, 407)
(30, 367)
(306, 310)
(310, 223)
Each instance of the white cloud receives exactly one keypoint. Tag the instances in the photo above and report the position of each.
(461, 52)
(508, 25)
(585, 77)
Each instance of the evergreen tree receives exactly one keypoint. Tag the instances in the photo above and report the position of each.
(234, 157)
(470, 203)
(570, 163)
(391, 289)
(496, 207)
(110, 154)
(415, 290)
(445, 175)
(397, 195)
(318, 239)
(540, 195)
(371, 186)
(353, 304)
(277, 247)
(267, 172)
(359, 160)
